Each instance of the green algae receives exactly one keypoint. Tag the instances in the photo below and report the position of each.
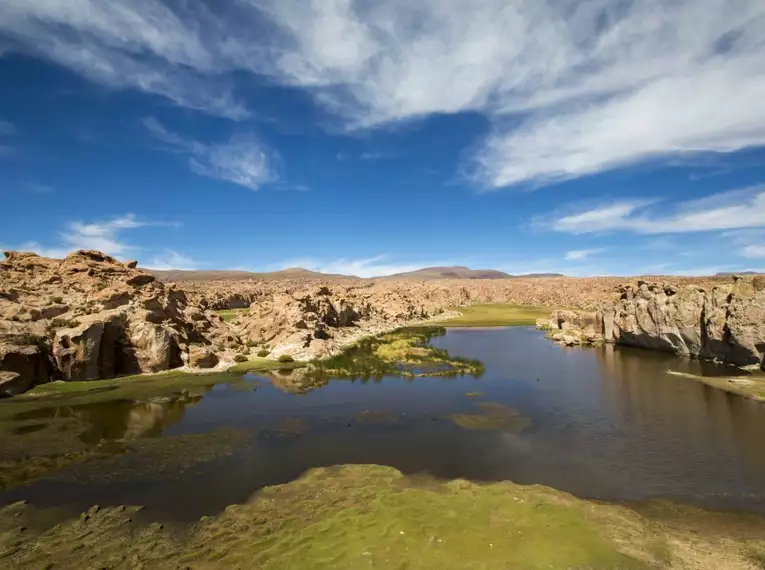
(492, 416)
(159, 458)
(404, 352)
(370, 516)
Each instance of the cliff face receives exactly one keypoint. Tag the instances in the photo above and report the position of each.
(725, 322)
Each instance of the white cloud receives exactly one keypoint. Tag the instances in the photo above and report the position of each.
(570, 88)
(242, 160)
(581, 254)
(729, 210)
(104, 236)
(101, 236)
(754, 251)
(170, 259)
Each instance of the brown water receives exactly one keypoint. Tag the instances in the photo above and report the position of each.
(601, 423)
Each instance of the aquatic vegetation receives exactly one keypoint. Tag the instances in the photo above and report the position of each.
(495, 315)
(493, 416)
(371, 516)
(751, 386)
(59, 433)
(158, 458)
(404, 352)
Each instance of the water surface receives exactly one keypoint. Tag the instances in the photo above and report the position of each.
(601, 423)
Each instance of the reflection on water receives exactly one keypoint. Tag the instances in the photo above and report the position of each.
(603, 422)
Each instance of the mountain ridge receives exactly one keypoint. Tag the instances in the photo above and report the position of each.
(424, 274)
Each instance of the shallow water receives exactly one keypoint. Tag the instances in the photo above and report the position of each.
(601, 423)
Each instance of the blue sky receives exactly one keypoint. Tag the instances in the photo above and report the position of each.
(588, 138)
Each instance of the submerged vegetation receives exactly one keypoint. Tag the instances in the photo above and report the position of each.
(405, 352)
(371, 516)
(495, 315)
(751, 386)
(492, 416)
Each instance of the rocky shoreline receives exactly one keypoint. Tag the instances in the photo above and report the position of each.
(90, 316)
(724, 323)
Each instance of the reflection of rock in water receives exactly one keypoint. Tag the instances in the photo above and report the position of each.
(636, 384)
(40, 442)
(298, 380)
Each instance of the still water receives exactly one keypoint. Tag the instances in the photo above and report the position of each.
(600, 423)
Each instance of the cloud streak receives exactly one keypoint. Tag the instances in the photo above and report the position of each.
(105, 236)
(570, 88)
(170, 259)
(581, 254)
(726, 211)
(242, 160)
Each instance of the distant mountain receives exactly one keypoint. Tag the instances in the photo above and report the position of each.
(731, 273)
(425, 274)
(460, 272)
(172, 275)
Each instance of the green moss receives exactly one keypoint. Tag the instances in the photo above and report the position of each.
(230, 315)
(368, 516)
(495, 315)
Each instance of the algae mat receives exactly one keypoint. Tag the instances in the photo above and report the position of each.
(374, 517)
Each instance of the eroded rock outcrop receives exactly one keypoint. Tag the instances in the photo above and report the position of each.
(317, 321)
(724, 322)
(89, 316)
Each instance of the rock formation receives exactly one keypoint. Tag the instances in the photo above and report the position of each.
(316, 322)
(89, 316)
(724, 322)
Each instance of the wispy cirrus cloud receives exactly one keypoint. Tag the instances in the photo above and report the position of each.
(170, 259)
(725, 211)
(242, 160)
(106, 236)
(581, 254)
(570, 88)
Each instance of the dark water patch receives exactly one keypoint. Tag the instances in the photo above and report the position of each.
(604, 423)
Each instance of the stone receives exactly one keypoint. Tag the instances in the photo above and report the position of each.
(140, 280)
(132, 264)
(29, 364)
(11, 383)
(202, 357)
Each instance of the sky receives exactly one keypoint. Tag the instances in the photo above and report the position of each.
(590, 137)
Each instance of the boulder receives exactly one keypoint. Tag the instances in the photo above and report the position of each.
(24, 367)
(11, 383)
(202, 357)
